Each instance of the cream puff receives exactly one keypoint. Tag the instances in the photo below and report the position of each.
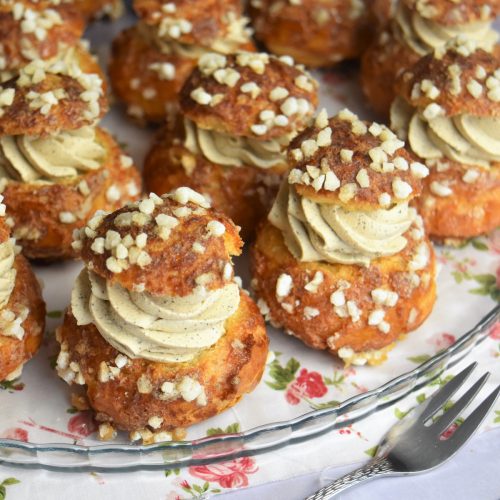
(151, 61)
(46, 30)
(22, 309)
(314, 32)
(159, 332)
(417, 29)
(238, 114)
(448, 109)
(56, 166)
(31, 30)
(343, 262)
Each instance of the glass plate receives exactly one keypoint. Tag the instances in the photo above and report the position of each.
(303, 392)
(260, 439)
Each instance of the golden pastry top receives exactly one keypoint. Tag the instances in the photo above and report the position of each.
(457, 78)
(164, 246)
(49, 96)
(36, 30)
(358, 165)
(249, 94)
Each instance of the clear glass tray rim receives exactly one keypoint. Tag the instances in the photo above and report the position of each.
(243, 444)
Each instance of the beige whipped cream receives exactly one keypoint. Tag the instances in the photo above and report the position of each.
(467, 139)
(7, 271)
(52, 158)
(425, 35)
(236, 36)
(227, 150)
(330, 233)
(165, 329)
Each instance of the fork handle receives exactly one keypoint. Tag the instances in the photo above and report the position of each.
(375, 468)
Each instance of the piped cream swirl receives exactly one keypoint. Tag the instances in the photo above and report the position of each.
(467, 139)
(323, 232)
(165, 329)
(236, 36)
(7, 271)
(227, 150)
(425, 35)
(63, 155)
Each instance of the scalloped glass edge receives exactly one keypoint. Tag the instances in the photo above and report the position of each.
(260, 439)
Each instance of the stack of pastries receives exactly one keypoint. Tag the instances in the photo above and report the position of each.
(239, 113)
(159, 334)
(158, 330)
(448, 107)
(418, 28)
(22, 310)
(151, 61)
(57, 167)
(343, 262)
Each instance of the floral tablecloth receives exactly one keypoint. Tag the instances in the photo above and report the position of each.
(295, 384)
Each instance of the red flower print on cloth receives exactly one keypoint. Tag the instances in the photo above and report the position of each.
(308, 384)
(232, 474)
(15, 433)
(495, 331)
(443, 341)
(82, 424)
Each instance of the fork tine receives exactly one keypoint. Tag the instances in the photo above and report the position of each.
(449, 416)
(471, 423)
(440, 397)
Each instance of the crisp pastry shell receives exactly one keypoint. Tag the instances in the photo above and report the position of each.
(167, 254)
(26, 293)
(237, 112)
(436, 68)
(471, 210)
(381, 64)
(148, 96)
(68, 114)
(293, 31)
(67, 34)
(244, 194)
(227, 371)
(270, 258)
(35, 208)
(131, 76)
(361, 145)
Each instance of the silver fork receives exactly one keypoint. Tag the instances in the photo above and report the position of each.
(413, 445)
